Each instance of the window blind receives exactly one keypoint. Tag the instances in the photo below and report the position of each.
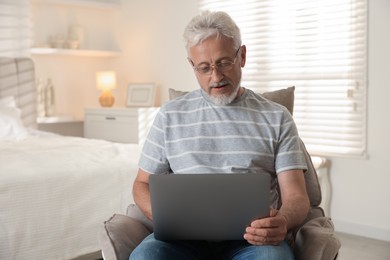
(319, 46)
(15, 28)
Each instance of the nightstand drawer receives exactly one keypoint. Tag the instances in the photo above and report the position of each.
(116, 128)
(119, 124)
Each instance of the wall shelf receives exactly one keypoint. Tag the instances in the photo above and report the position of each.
(76, 52)
(54, 21)
(100, 4)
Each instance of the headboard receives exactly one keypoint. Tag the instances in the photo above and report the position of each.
(17, 79)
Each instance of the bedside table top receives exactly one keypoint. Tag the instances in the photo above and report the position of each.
(133, 111)
(111, 111)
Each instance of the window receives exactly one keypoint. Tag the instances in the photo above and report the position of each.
(15, 28)
(320, 48)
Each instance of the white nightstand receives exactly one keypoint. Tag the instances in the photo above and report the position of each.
(124, 125)
(63, 125)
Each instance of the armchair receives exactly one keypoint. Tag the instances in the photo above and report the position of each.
(315, 239)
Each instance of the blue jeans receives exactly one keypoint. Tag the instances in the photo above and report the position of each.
(152, 249)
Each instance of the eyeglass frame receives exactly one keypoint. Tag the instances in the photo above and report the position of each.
(215, 66)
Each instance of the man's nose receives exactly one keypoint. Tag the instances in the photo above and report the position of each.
(216, 75)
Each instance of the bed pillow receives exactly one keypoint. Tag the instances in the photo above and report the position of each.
(7, 102)
(284, 97)
(11, 126)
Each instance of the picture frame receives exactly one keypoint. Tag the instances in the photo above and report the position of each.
(141, 94)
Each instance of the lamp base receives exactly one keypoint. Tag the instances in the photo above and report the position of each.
(106, 99)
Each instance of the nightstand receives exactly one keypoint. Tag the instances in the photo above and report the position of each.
(63, 125)
(123, 125)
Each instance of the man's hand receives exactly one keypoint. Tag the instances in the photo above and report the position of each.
(267, 231)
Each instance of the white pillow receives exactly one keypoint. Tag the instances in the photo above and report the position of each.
(7, 102)
(11, 127)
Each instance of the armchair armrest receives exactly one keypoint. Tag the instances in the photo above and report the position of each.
(120, 235)
(134, 212)
(316, 240)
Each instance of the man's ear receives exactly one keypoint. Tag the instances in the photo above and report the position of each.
(243, 56)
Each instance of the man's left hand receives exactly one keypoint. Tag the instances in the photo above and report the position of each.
(267, 231)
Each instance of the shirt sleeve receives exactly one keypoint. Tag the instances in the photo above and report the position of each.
(289, 155)
(153, 157)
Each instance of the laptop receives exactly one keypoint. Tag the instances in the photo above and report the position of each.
(210, 207)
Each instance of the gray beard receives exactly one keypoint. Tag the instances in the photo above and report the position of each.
(223, 100)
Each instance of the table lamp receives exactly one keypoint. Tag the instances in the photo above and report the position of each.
(105, 81)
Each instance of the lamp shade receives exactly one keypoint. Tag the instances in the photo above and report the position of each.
(105, 80)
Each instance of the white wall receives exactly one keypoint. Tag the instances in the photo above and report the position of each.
(149, 33)
(152, 43)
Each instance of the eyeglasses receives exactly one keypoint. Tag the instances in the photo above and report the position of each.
(207, 69)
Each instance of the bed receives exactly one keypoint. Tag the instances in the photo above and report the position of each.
(55, 191)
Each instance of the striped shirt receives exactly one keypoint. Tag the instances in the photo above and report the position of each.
(252, 134)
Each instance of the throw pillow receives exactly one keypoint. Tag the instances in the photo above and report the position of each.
(11, 126)
(7, 102)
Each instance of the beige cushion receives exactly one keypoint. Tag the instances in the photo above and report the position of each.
(285, 97)
(312, 185)
(173, 93)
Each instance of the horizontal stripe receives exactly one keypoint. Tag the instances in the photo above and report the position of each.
(220, 153)
(200, 123)
(196, 167)
(218, 137)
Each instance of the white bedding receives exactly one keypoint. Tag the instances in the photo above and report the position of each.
(56, 191)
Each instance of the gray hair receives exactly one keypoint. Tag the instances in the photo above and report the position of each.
(209, 24)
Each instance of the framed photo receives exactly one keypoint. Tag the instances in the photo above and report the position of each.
(141, 95)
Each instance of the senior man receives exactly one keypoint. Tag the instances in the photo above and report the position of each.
(224, 128)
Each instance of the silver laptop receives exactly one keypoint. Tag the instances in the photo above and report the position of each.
(207, 206)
